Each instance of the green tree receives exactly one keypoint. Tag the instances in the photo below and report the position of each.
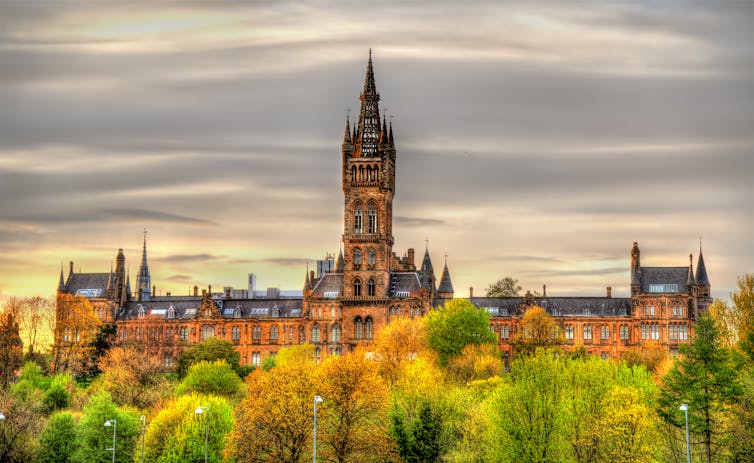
(455, 325)
(57, 444)
(504, 287)
(177, 433)
(210, 350)
(707, 381)
(11, 347)
(94, 438)
(216, 378)
(57, 396)
(418, 441)
(18, 430)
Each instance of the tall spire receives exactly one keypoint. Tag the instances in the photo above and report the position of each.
(347, 134)
(369, 86)
(145, 281)
(701, 270)
(368, 133)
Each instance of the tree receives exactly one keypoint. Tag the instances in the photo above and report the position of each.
(18, 430)
(215, 378)
(400, 341)
(210, 350)
(274, 421)
(455, 325)
(418, 441)
(706, 380)
(353, 412)
(11, 347)
(504, 287)
(37, 317)
(537, 330)
(476, 362)
(177, 434)
(94, 438)
(57, 444)
(75, 326)
(650, 355)
(132, 376)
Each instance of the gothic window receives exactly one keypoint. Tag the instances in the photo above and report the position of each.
(275, 311)
(290, 334)
(505, 332)
(183, 333)
(255, 359)
(301, 335)
(358, 219)
(256, 333)
(604, 356)
(376, 173)
(605, 333)
(673, 332)
(650, 331)
(392, 311)
(357, 258)
(372, 219)
(353, 173)
(357, 287)
(315, 333)
(361, 173)
(317, 354)
(587, 333)
(682, 333)
(569, 332)
(368, 328)
(624, 333)
(677, 310)
(332, 312)
(237, 312)
(236, 333)
(649, 310)
(208, 331)
(369, 173)
(358, 329)
(141, 311)
(273, 333)
(171, 312)
(335, 333)
(371, 257)
(370, 287)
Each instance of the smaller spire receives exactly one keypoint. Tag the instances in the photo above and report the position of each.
(446, 286)
(701, 270)
(307, 282)
(690, 281)
(384, 137)
(61, 283)
(339, 262)
(390, 137)
(347, 134)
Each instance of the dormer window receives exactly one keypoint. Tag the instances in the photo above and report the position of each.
(237, 312)
(171, 312)
(141, 312)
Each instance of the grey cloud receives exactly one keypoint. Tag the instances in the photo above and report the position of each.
(592, 272)
(188, 258)
(179, 279)
(528, 259)
(283, 261)
(418, 221)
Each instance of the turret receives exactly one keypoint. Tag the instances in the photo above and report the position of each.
(635, 269)
(445, 289)
(61, 282)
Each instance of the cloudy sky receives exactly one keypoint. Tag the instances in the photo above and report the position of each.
(536, 140)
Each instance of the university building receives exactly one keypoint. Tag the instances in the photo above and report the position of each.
(350, 298)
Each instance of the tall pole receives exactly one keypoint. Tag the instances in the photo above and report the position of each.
(317, 400)
(143, 430)
(685, 408)
(206, 436)
(114, 424)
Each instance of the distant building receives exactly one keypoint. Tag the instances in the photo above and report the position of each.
(349, 299)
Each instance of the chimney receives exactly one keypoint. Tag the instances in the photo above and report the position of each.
(311, 277)
(544, 290)
(471, 292)
(227, 292)
(196, 290)
(209, 291)
(411, 257)
(70, 268)
(204, 292)
(609, 292)
(154, 290)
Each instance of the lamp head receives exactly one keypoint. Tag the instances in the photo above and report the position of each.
(109, 423)
(317, 399)
(2, 417)
(199, 410)
(684, 407)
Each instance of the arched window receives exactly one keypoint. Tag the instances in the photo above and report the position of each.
(275, 311)
(369, 173)
(376, 173)
(237, 312)
(368, 328)
(256, 333)
(358, 219)
(361, 173)
(371, 257)
(358, 329)
(357, 287)
(353, 173)
(315, 333)
(141, 311)
(236, 333)
(372, 216)
(273, 333)
(357, 258)
(335, 333)
(370, 287)
(171, 312)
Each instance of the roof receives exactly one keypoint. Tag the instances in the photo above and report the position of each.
(87, 284)
(677, 276)
(187, 307)
(405, 284)
(445, 284)
(559, 307)
(701, 271)
(330, 286)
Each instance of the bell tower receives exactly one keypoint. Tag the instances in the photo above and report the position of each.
(369, 187)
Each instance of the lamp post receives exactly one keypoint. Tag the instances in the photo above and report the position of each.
(685, 408)
(143, 430)
(317, 400)
(114, 424)
(200, 410)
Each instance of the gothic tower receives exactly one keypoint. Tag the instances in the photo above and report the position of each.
(145, 281)
(369, 187)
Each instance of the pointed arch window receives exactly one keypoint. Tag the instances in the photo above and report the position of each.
(335, 333)
(358, 328)
(315, 333)
(141, 311)
(369, 173)
(370, 287)
(358, 219)
(371, 257)
(171, 312)
(273, 333)
(368, 328)
(275, 311)
(357, 287)
(237, 312)
(372, 219)
(353, 173)
(376, 174)
(357, 258)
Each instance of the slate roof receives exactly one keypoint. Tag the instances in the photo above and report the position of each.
(664, 275)
(405, 284)
(187, 307)
(445, 285)
(559, 307)
(329, 283)
(82, 281)
(701, 271)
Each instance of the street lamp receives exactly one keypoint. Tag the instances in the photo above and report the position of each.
(114, 424)
(143, 429)
(317, 400)
(685, 408)
(2, 417)
(204, 411)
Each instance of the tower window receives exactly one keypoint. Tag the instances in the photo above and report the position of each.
(315, 333)
(358, 220)
(368, 328)
(358, 329)
(357, 287)
(353, 173)
(372, 219)
(335, 333)
(370, 287)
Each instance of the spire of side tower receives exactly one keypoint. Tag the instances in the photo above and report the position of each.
(368, 133)
(701, 270)
(61, 283)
